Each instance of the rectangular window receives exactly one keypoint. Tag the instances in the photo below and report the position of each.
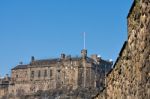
(32, 74)
(39, 74)
(45, 73)
(51, 73)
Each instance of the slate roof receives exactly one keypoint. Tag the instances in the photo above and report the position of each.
(20, 67)
(54, 61)
(51, 61)
(47, 61)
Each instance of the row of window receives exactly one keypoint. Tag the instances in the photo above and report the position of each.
(39, 73)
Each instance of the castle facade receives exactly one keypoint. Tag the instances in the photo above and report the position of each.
(64, 72)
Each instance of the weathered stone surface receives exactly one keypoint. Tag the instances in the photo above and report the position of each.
(130, 78)
(63, 77)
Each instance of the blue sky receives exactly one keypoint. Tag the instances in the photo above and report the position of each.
(46, 28)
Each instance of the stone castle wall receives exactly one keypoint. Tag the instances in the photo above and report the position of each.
(71, 73)
(130, 78)
(19, 75)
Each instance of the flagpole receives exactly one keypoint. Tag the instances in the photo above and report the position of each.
(84, 39)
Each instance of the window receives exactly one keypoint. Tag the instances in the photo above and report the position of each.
(45, 73)
(51, 73)
(32, 74)
(39, 74)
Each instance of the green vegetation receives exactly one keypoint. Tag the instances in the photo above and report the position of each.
(137, 1)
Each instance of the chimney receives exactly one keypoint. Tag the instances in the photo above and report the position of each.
(7, 77)
(99, 58)
(68, 57)
(32, 58)
(94, 57)
(20, 63)
(63, 56)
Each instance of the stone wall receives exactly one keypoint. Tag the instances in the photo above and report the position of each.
(130, 78)
(19, 75)
(72, 74)
(3, 91)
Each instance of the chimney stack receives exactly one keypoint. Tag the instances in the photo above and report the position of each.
(94, 57)
(20, 63)
(63, 56)
(32, 58)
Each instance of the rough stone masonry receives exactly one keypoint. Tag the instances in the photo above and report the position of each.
(130, 78)
(52, 78)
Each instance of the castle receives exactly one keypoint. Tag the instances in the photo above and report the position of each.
(129, 79)
(49, 74)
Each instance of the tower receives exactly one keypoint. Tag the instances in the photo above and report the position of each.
(84, 53)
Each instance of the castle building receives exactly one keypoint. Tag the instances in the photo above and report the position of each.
(4, 84)
(64, 72)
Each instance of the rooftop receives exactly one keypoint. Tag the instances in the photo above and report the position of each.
(20, 67)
